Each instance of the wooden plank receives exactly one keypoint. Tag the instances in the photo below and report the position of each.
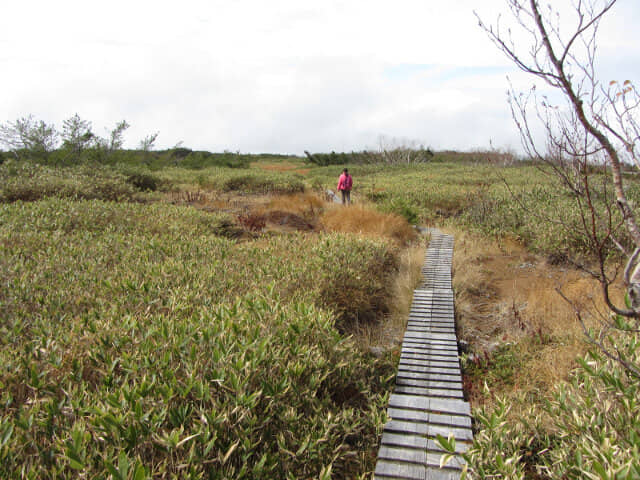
(438, 328)
(442, 368)
(393, 470)
(413, 384)
(430, 321)
(433, 460)
(404, 455)
(435, 343)
(458, 433)
(432, 404)
(427, 399)
(456, 407)
(444, 381)
(417, 402)
(404, 427)
(434, 473)
(460, 421)
(435, 447)
(431, 345)
(435, 354)
(409, 390)
(435, 350)
(408, 415)
(426, 340)
(435, 336)
(448, 318)
(432, 375)
(447, 367)
(409, 441)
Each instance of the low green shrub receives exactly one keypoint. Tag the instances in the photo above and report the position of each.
(30, 182)
(263, 184)
(401, 207)
(588, 428)
(138, 342)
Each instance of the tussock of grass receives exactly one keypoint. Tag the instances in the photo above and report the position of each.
(298, 210)
(300, 203)
(368, 222)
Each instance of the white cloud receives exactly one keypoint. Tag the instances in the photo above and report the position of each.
(279, 76)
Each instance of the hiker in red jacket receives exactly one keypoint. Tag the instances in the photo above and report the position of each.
(345, 182)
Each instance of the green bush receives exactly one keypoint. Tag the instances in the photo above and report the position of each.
(30, 182)
(263, 184)
(402, 208)
(589, 428)
(137, 342)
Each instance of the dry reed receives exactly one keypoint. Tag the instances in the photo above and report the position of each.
(366, 221)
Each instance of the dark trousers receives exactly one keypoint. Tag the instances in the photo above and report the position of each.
(346, 196)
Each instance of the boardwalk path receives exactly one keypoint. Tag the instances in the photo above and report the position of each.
(427, 399)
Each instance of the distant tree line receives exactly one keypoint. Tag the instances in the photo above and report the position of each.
(390, 151)
(35, 140)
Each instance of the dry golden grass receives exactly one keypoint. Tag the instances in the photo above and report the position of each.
(303, 204)
(505, 295)
(281, 167)
(366, 221)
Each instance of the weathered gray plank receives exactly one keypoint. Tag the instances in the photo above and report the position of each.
(445, 368)
(404, 455)
(426, 362)
(430, 374)
(458, 433)
(430, 345)
(436, 354)
(433, 446)
(427, 389)
(427, 399)
(433, 460)
(410, 428)
(446, 382)
(442, 344)
(410, 390)
(417, 402)
(409, 441)
(408, 415)
(435, 337)
(434, 473)
(460, 421)
(438, 405)
(392, 470)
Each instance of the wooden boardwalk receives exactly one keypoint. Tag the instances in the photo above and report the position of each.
(427, 399)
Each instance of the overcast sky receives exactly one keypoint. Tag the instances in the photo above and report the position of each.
(276, 76)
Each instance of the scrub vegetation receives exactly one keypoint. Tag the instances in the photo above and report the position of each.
(211, 321)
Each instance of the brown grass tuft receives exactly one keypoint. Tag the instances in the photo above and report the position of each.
(506, 296)
(369, 222)
(306, 204)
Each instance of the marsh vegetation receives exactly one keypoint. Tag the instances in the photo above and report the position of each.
(214, 321)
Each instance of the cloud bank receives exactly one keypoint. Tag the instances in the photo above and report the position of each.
(280, 76)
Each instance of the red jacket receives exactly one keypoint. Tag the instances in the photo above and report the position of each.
(345, 182)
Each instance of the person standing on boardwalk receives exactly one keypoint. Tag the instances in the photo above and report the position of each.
(345, 182)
